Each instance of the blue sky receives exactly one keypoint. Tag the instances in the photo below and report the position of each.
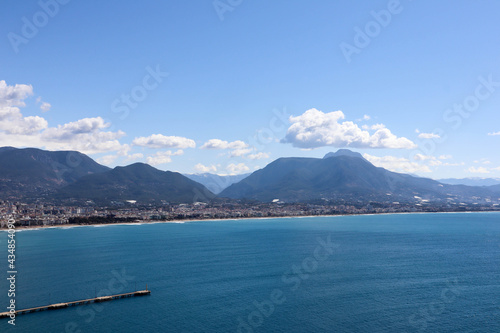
(229, 86)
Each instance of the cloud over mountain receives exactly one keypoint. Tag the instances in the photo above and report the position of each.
(238, 148)
(235, 169)
(163, 141)
(397, 164)
(163, 157)
(315, 129)
(86, 135)
(221, 144)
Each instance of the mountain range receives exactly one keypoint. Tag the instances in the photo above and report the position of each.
(34, 172)
(344, 176)
(136, 182)
(475, 181)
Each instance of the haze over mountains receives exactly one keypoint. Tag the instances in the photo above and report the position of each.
(475, 181)
(343, 176)
(216, 183)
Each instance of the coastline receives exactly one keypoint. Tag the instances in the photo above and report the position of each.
(70, 226)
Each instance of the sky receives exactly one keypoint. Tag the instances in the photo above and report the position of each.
(228, 86)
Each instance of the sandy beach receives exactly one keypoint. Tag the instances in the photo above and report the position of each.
(68, 226)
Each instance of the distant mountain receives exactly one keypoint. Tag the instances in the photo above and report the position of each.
(344, 152)
(3, 149)
(216, 183)
(140, 182)
(495, 189)
(343, 176)
(34, 173)
(471, 181)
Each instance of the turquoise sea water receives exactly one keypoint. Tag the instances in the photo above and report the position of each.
(385, 273)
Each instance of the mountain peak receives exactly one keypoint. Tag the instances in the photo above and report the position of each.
(343, 152)
(29, 173)
(138, 165)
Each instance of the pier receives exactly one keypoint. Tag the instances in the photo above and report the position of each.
(74, 303)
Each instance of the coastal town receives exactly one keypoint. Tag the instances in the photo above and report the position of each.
(42, 215)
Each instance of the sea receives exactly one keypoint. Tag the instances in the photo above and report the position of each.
(430, 272)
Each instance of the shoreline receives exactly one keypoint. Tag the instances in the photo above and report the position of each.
(70, 226)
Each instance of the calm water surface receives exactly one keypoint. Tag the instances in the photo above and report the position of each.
(385, 273)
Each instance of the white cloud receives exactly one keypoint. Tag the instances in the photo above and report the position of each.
(453, 164)
(238, 147)
(258, 156)
(240, 152)
(477, 170)
(397, 164)
(134, 157)
(377, 127)
(82, 126)
(428, 136)
(45, 106)
(365, 118)
(237, 168)
(421, 157)
(204, 169)
(496, 169)
(85, 135)
(221, 144)
(11, 119)
(436, 161)
(483, 161)
(373, 127)
(13, 122)
(315, 129)
(157, 160)
(162, 157)
(14, 95)
(494, 133)
(162, 141)
(107, 160)
(89, 144)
